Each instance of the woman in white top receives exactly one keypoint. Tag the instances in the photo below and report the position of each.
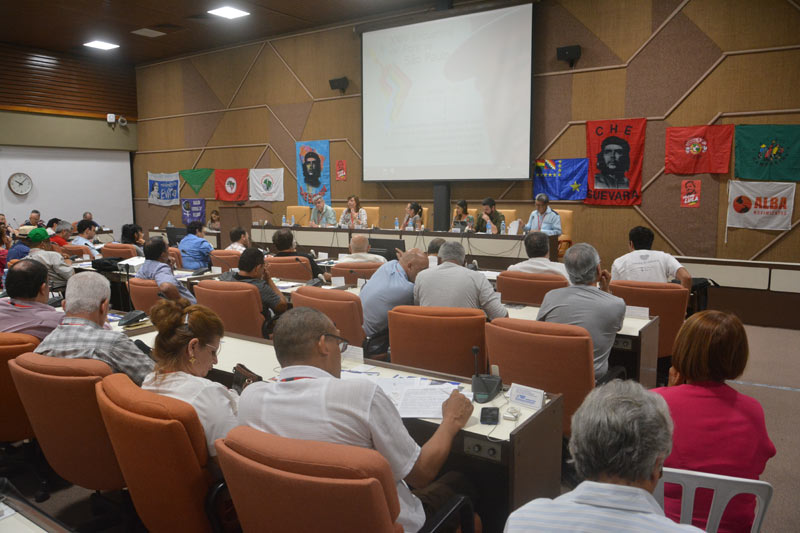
(354, 216)
(185, 350)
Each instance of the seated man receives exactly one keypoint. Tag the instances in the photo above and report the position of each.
(51, 226)
(537, 246)
(21, 248)
(621, 435)
(88, 216)
(35, 219)
(253, 270)
(310, 402)
(239, 240)
(158, 267)
(322, 215)
(391, 285)
(644, 264)
(543, 218)
(490, 214)
(59, 269)
(359, 251)
(27, 311)
(583, 304)
(452, 285)
(62, 234)
(86, 232)
(81, 334)
(195, 249)
(435, 245)
(284, 243)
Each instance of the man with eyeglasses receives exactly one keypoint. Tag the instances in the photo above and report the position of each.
(308, 401)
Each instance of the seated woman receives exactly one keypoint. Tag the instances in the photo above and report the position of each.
(132, 234)
(354, 216)
(463, 219)
(717, 429)
(413, 218)
(213, 222)
(185, 350)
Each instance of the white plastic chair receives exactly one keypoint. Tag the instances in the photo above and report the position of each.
(724, 487)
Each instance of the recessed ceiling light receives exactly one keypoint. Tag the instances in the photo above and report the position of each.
(229, 12)
(102, 45)
(147, 32)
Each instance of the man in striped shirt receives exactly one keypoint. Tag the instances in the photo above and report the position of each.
(621, 435)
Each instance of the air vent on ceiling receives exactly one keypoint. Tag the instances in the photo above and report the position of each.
(147, 32)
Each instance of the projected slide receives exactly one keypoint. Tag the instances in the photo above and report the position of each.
(449, 99)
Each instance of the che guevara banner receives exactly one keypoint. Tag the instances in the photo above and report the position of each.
(760, 205)
(615, 149)
(699, 149)
(769, 152)
(230, 185)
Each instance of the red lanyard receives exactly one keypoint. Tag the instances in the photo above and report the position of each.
(296, 378)
(540, 220)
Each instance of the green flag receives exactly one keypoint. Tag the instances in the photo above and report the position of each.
(196, 178)
(768, 152)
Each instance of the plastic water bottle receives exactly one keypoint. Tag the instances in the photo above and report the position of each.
(292, 220)
(488, 227)
(169, 223)
(503, 228)
(283, 220)
(396, 223)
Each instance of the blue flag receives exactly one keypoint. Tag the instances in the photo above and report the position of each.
(561, 179)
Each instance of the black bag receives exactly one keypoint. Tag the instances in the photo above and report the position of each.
(105, 265)
(242, 377)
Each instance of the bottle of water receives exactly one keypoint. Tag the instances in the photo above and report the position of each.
(488, 227)
(396, 223)
(169, 223)
(283, 220)
(503, 228)
(292, 220)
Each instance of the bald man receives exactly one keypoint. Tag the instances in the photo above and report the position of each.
(359, 251)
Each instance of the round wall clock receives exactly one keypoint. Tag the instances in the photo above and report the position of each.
(20, 183)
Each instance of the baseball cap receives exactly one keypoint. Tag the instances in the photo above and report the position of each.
(38, 235)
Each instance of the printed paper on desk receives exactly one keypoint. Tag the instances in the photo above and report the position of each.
(632, 311)
(354, 353)
(360, 282)
(491, 275)
(337, 281)
(424, 402)
(322, 256)
(513, 227)
(526, 396)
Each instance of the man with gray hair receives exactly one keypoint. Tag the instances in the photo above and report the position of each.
(359, 251)
(82, 334)
(321, 214)
(543, 218)
(450, 284)
(584, 304)
(537, 246)
(621, 435)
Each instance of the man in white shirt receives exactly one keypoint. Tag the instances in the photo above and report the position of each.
(86, 232)
(450, 284)
(537, 246)
(309, 401)
(359, 251)
(621, 435)
(58, 268)
(543, 218)
(644, 264)
(239, 240)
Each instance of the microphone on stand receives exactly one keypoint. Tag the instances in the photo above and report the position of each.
(484, 386)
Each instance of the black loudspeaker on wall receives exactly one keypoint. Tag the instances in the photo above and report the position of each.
(569, 53)
(339, 83)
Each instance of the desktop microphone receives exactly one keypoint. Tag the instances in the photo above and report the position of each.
(484, 386)
(313, 282)
(312, 253)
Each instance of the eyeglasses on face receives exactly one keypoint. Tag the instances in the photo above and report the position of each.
(343, 344)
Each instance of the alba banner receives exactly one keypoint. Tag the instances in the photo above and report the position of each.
(760, 205)
(266, 184)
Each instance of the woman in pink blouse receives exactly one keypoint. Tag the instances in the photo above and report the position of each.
(717, 429)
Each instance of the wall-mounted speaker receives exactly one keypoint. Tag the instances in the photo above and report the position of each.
(569, 54)
(339, 83)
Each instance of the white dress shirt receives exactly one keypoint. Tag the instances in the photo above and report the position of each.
(540, 265)
(364, 257)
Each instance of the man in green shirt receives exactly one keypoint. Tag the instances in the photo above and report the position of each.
(490, 214)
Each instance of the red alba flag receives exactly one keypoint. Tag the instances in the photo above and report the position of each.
(615, 149)
(699, 149)
(231, 185)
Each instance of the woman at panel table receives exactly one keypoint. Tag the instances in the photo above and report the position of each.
(186, 347)
(413, 218)
(463, 219)
(354, 216)
(214, 223)
(717, 429)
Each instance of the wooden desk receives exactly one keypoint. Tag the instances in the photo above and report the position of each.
(522, 460)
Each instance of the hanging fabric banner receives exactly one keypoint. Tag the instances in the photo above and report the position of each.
(760, 205)
(616, 149)
(163, 188)
(193, 210)
(768, 152)
(230, 185)
(313, 171)
(698, 150)
(266, 184)
(196, 178)
(561, 179)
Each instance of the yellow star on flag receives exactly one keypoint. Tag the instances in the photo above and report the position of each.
(575, 186)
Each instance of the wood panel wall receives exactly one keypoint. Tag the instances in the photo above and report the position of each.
(48, 82)
(678, 63)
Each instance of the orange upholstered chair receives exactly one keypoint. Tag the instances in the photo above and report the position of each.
(76, 249)
(354, 270)
(373, 216)
(238, 305)
(14, 423)
(175, 255)
(437, 338)
(338, 211)
(121, 251)
(144, 293)
(302, 214)
(544, 355)
(162, 451)
(667, 301)
(527, 288)
(566, 237)
(225, 259)
(59, 397)
(293, 267)
(342, 307)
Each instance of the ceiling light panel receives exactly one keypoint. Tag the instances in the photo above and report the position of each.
(102, 45)
(229, 12)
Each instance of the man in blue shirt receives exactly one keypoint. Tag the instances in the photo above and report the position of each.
(543, 218)
(86, 231)
(391, 285)
(157, 266)
(195, 249)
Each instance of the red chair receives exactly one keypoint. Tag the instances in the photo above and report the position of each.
(175, 255)
(342, 307)
(14, 423)
(238, 305)
(527, 288)
(144, 294)
(122, 251)
(352, 271)
(77, 249)
(225, 259)
(293, 267)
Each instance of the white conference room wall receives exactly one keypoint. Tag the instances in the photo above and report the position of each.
(67, 182)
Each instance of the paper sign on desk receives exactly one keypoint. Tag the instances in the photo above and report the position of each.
(632, 311)
(526, 396)
(322, 256)
(513, 227)
(337, 281)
